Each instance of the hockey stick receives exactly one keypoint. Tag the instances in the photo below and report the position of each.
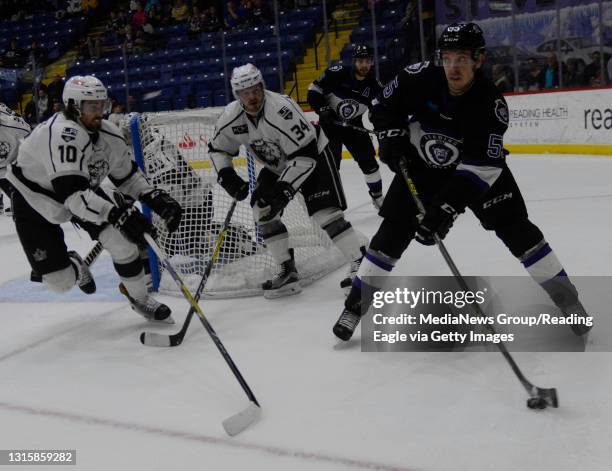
(153, 339)
(240, 421)
(356, 128)
(93, 254)
(539, 397)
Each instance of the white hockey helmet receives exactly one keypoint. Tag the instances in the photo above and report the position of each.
(84, 88)
(5, 109)
(245, 76)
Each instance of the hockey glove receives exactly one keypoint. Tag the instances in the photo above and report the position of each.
(165, 206)
(392, 147)
(279, 198)
(438, 220)
(235, 186)
(132, 223)
(327, 116)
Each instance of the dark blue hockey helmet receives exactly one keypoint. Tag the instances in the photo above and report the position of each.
(461, 37)
(362, 51)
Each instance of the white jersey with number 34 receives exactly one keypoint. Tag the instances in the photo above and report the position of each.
(281, 130)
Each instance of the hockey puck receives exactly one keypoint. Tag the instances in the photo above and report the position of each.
(536, 403)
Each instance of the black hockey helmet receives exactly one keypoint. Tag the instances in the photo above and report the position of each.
(462, 37)
(362, 50)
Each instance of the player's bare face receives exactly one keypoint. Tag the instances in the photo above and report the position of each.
(362, 67)
(459, 67)
(91, 114)
(252, 98)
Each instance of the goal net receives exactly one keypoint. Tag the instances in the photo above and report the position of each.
(172, 149)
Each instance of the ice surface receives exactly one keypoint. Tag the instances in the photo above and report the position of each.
(74, 375)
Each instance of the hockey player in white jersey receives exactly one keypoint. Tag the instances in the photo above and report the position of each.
(57, 178)
(13, 128)
(295, 156)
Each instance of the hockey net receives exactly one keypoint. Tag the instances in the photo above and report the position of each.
(172, 150)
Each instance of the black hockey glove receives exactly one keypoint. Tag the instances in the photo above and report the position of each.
(279, 198)
(437, 220)
(392, 146)
(235, 186)
(165, 206)
(132, 223)
(327, 116)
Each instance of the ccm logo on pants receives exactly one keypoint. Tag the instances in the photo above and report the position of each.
(497, 199)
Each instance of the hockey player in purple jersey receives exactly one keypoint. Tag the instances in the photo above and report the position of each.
(448, 121)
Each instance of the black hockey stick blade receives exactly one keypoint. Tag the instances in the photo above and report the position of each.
(549, 395)
(153, 339)
(242, 420)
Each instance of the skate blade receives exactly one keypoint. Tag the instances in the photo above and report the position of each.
(287, 290)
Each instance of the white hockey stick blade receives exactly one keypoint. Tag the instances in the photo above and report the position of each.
(153, 339)
(242, 420)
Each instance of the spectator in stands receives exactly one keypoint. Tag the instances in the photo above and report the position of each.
(93, 46)
(535, 76)
(232, 18)
(551, 73)
(260, 13)
(139, 18)
(129, 38)
(114, 24)
(74, 7)
(180, 11)
(140, 42)
(14, 57)
(134, 5)
(57, 107)
(39, 109)
(133, 104)
(194, 23)
(150, 6)
(55, 89)
(37, 56)
(501, 79)
(211, 22)
(592, 72)
(609, 70)
(117, 115)
(572, 76)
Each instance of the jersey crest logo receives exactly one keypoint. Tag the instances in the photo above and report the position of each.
(267, 151)
(98, 171)
(348, 109)
(39, 255)
(285, 113)
(439, 150)
(242, 129)
(501, 111)
(416, 68)
(5, 149)
(69, 134)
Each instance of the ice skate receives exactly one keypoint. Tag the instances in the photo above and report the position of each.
(377, 199)
(85, 279)
(284, 283)
(149, 308)
(346, 324)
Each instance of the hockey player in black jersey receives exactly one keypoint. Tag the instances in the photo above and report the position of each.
(453, 145)
(343, 95)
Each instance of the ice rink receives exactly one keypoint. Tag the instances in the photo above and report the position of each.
(73, 374)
